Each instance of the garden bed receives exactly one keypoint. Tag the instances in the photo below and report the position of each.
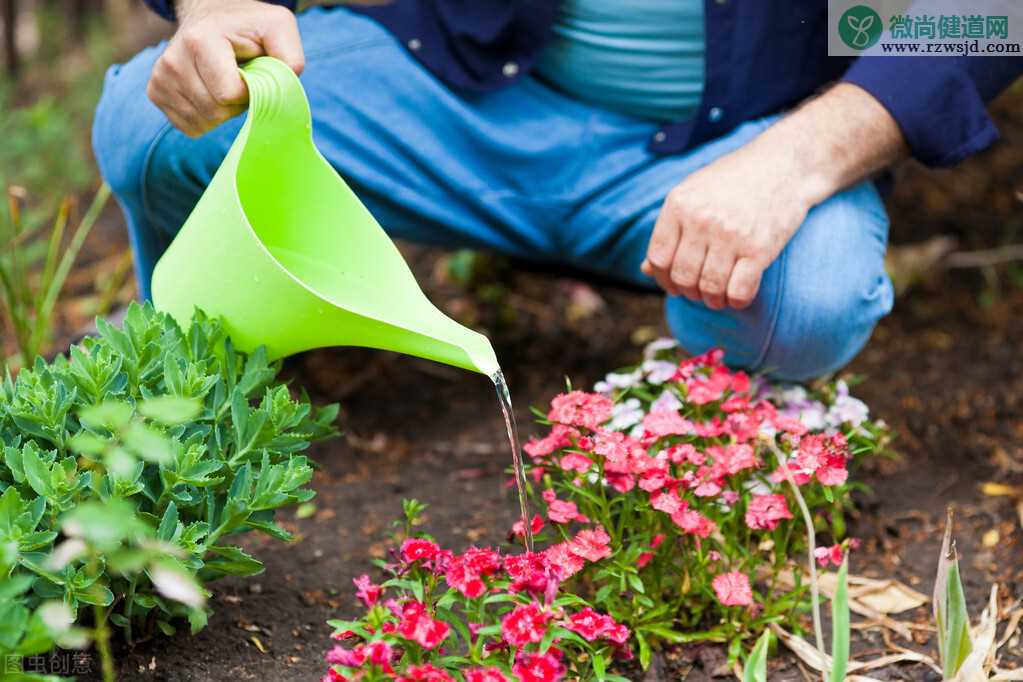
(949, 386)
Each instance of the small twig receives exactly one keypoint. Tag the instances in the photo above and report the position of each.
(985, 257)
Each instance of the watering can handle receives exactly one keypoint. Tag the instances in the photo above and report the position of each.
(276, 96)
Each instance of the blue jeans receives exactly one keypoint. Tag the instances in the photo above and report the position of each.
(526, 171)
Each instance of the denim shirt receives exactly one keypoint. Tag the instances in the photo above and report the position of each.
(762, 57)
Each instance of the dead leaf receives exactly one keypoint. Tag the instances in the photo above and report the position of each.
(259, 644)
(909, 263)
(990, 538)
(994, 489)
(981, 658)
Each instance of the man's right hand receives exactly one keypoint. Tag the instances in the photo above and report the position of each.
(196, 82)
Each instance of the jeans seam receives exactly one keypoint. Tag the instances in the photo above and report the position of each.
(147, 212)
(335, 50)
(773, 326)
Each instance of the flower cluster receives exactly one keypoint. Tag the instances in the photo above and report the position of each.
(478, 616)
(678, 472)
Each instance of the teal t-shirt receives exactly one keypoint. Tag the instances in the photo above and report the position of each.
(641, 57)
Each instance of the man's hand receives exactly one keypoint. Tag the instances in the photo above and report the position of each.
(196, 81)
(722, 226)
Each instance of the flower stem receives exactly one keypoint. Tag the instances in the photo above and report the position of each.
(811, 539)
(102, 636)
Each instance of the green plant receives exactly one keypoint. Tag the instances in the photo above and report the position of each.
(192, 439)
(33, 270)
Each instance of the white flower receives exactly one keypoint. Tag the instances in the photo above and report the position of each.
(65, 553)
(177, 585)
(619, 380)
(625, 414)
(666, 401)
(56, 615)
(659, 371)
(658, 345)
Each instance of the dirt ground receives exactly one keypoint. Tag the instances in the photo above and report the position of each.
(944, 370)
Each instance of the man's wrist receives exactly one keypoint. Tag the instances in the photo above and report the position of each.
(834, 141)
(187, 9)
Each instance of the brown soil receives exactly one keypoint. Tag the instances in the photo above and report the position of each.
(944, 370)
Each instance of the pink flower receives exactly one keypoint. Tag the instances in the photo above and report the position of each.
(366, 591)
(564, 563)
(560, 511)
(352, 658)
(536, 525)
(661, 423)
(739, 458)
(485, 675)
(378, 653)
(703, 390)
(524, 624)
(559, 437)
(577, 408)
(733, 589)
(574, 461)
(538, 668)
(826, 555)
(692, 521)
(765, 512)
(591, 544)
(730, 496)
(426, 672)
(414, 549)
(591, 625)
(418, 626)
(667, 502)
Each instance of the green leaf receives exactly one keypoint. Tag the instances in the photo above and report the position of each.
(148, 443)
(756, 665)
(644, 651)
(36, 473)
(231, 560)
(111, 414)
(169, 523)
(840, 624)
(170, 409)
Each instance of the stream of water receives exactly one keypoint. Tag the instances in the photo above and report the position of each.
(504, 397)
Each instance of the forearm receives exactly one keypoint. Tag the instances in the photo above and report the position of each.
(832, 141)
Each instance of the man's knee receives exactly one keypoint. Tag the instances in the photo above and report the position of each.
(126, 123)
(834, 288)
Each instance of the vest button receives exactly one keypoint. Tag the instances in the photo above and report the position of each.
(510, 70)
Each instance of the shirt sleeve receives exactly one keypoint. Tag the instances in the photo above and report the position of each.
(165, 8)
(938, 102)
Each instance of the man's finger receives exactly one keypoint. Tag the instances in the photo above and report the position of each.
(717, 268)
(744, 283)
(688, 264)
(661, 251)
(218, 70)
(284, 41)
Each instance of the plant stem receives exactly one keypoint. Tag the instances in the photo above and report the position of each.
(811, 539)
(102, 635)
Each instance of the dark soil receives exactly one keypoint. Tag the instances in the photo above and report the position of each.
(944, 370)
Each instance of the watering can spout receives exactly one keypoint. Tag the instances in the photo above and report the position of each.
(281, 249)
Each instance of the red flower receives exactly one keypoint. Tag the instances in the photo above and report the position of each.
(464, 579)
(366, 591)
(424, 673)
(524, 624)
(415, 549)
(591, 544)
(333, 676)
(418, 626)
(538, 668)
(485, 675)
(577, 408)
(765, 512)
(351, 658)
(528, 571)
(733, 589)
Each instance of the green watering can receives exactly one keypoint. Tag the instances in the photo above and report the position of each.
(288, 257)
